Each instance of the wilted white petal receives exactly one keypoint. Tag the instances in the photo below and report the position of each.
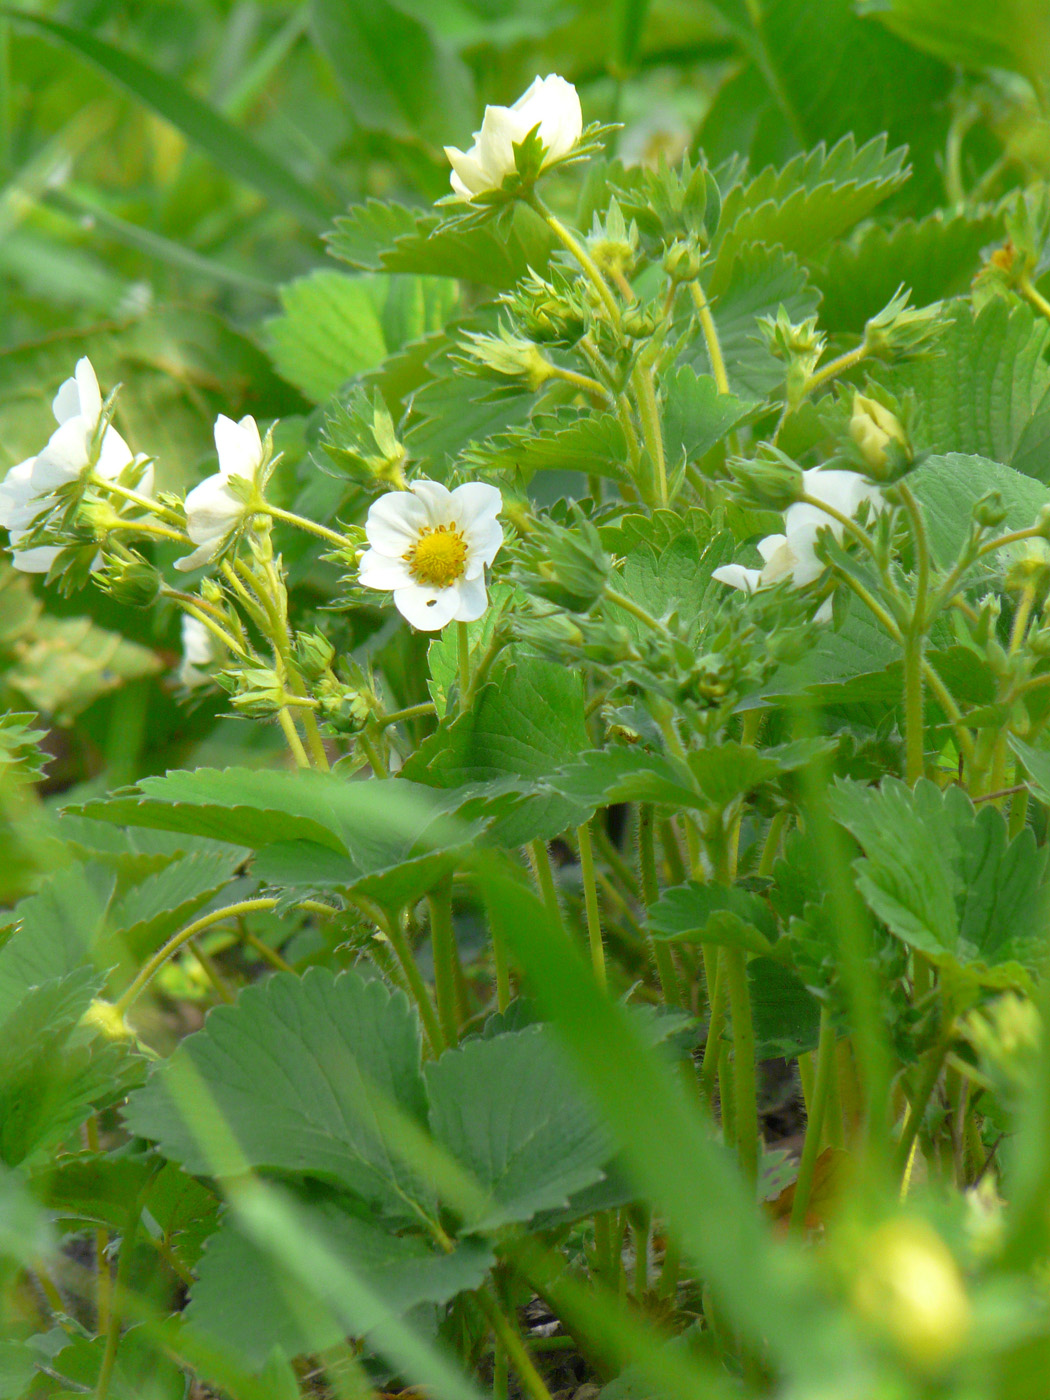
(198, 645)
(394, 522)
(473, 598)
(239, 446)
(427, 609)
(377, 570)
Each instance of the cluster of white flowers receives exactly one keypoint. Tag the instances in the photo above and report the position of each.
(216, 507)
(430, 546)
(74, 448)
(793, 553)
(551, 106)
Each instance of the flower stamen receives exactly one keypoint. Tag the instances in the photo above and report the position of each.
(438, 557)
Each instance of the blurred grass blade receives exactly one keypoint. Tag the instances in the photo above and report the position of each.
(667, 1146)
(230, 148)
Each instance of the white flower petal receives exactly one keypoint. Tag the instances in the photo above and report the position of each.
(769, 546)
(88, 391)
(113, 456)
(736, 576)
(824, 612)
(66, 403)
(473, 599)
(203, 555)
(435, 499)
(239, 446)
(394, 522)
(198, 645)
(66, 455)
(550, 104)
(37, 560)
(427, 609)
(555, 104)
(377, 570)
(473, 501)
(16, 491)
(467, 178)
(483, 544)
(212, 510)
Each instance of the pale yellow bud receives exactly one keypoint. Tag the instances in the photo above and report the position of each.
(103, 1016)
(910, 1289)
(873, 428)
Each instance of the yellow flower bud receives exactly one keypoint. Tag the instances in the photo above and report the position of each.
(910, 1289)
(873, 428)
(103, 1016)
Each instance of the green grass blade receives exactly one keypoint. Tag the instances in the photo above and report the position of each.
(231, 148)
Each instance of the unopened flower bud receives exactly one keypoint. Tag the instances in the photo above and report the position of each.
(314, 654)
(131, 581)
(770, 481)
(211, 592)
(507, 355)
(990, 511)
(568, 565)
(257, 691)
(103, 1017)
(874, 428)
(910, 1290)
(682, 262)
(638, 324)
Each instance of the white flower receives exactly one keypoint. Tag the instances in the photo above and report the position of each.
(431, 547)
(214, 509)
(198, 649)
(793, 553)
(551, 103)
(28, 490)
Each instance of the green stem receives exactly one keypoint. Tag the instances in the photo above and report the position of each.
(541, 867)
(914, 719)
(403, 716)
(159, 958)
(636, 610)
(585, 383)
(463, 647)
(652, 431)
(734, 962)
(772, 843)
(375, 758)
(146, 503)
(590, 895)
(109, 1356)
(575, 247)
(931, 1070)
(291, 734)
(395, 936)
(502, 969)
(1028, 291)
(443, 946)
(508, 1338)
(817, 1106)
(661, 953)
(834, 367)
(710, 331)
(716, 995)
(310, 526)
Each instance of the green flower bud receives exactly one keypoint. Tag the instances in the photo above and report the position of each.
(682, 262)
(874, 429)
(638, 323)
(346, 708)
(900, 331)
(990, 511)
(314, 654)
(254, 690)
(509, 356)
(770, 481)
(131, 581)
(566, 564)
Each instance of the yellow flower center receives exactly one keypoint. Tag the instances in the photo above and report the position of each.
(438, 557)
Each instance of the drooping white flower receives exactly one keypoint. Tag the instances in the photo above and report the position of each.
(215, 507)
(198, 649)
(793, 554)
(29, 489)
(551, 104)
(430, 547)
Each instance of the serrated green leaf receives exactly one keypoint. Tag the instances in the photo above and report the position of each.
(936, 257)
(525, 725)
(68, 662)
(592, 444)
(813, 200)
(675, 580)
(388, 237)
(602, 777)
(986, 390)
(695, 415)
(949, 486)
(141, 1370)
(152, 910)
(710, 913)
(335, 326)
(785, 1015)
(944, 877)
(508, 1109)
(243, 1298)
(297, 1076)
